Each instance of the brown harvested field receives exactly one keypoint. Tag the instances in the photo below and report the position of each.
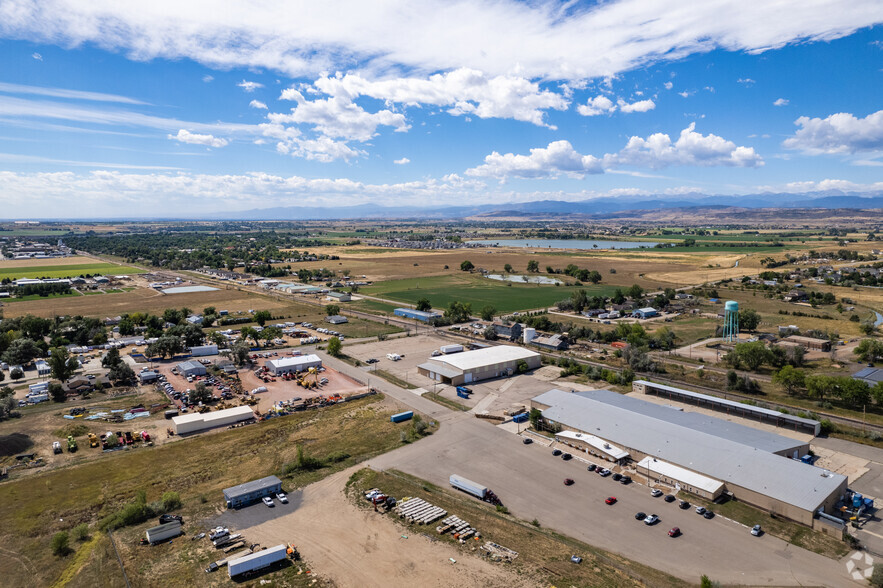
(380, 264)
(73, 260)
(141, 300)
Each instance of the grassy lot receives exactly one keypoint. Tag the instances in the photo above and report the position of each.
(66, 271)
(31, 297)
(372, 306)
(439, 399)
(793, 533)
(542, 554)
(35, 508)
(393, 379)
(506, 297)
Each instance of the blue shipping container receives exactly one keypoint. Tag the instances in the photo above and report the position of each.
(402, 416)
(520, 418)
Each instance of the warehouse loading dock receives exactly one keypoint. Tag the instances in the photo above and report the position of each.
(744, 460)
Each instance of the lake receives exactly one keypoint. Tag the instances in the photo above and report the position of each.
(565, 243)
(524, 279)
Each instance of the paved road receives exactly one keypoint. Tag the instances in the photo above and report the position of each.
(529, 481)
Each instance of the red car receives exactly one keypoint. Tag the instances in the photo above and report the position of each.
(610, 500)
(674, 532)
(568, 481)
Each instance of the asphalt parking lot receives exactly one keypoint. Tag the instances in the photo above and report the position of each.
(237, 519)
(529, 481)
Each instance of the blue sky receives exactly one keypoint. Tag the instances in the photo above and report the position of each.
(166, 110)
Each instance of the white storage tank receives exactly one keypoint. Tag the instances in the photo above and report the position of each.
(529, 334)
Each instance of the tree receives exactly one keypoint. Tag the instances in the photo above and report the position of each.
(869, 350)
(239, 352)
(594, 276)
(246, 333)
(121, 374)
(753, 355)
(126, 326)
(467, 266)
(818, 386)
(580, 300)
(331, 309)
(81, 532)
(634, 292)
(522, 366)
(62, 364)
(21, 351)
(508, 268)
(490, 333)
(487, 312)
(618, 297)
(748, 320)
(111, 358)
(458, 312)
(201, 393)
(56, 392)
(533, 266)
(16, 373)
(209, 310)
(334, 347)
(867, 328)
(534, 417)
(423, 305)
(262, 316)
(59, 543)
(791, 380)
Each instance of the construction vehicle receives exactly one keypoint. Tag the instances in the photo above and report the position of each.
(71, 444)
(145, 436)
(56, 447)
(129, 439)
(93, 440)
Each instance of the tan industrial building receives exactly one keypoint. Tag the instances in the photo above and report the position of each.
(481, 364)
(698, 453)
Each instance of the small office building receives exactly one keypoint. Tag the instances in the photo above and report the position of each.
(253, 491)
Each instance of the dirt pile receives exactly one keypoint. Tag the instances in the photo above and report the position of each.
(14, 444)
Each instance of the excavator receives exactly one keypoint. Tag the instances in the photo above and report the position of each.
(310, 379)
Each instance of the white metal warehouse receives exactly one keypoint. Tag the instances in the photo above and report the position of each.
(742, 460)
(191, 368)
(195, 422)
(481, 364)
(287, 365)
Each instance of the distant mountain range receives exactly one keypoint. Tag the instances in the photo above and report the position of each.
(598, 206)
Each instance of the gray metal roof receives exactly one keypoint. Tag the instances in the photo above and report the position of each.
(697, 421)
(249, 487)
(189, 365)
(440, 368)
(870, 375)
(781, 478)
(724, 402)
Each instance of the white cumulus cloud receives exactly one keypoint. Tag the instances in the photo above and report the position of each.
(781, 102)
(37, 56)
(597, 105)
(249, 86)
(543, 162)
(655, 152)
(258, 104)
(838, 133)
(668, 85)
(402, 161)
(639, 106)
(185, 136)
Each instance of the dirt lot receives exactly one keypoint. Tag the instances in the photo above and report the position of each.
(338, 384)
(44, 424)
(352, 547)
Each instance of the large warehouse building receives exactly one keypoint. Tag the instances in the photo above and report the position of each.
(481, 364)
(195, 422)
(697, 453)
(288, 365)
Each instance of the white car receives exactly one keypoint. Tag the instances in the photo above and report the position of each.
(268, 501)
(281, 497)
(756, 530)
(651, 520)
(656, 493)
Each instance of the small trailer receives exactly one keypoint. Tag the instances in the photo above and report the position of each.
(402, 416)
(448, 349)
(257, 561)
(163, 532)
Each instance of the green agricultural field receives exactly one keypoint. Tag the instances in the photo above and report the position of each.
(478, 291)
(66, 271)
